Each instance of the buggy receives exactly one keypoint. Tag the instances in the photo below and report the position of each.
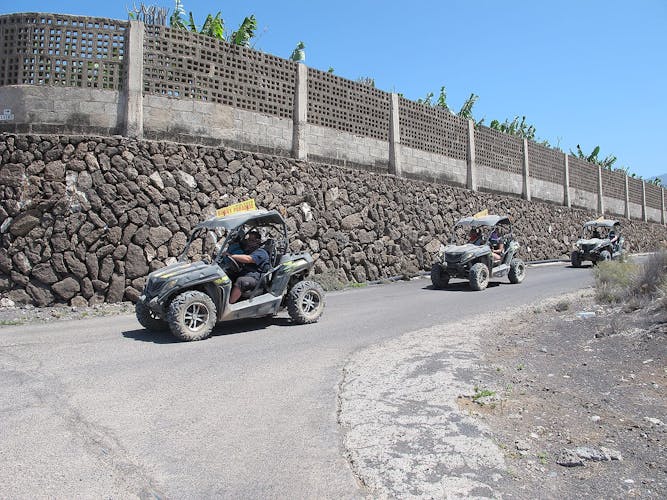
(191, 297)
(600, 240)
(473, 260)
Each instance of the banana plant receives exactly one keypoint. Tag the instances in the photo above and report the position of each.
(515, 127)
(299, 53)
(245, 33)
(607, 163)
(214, 26)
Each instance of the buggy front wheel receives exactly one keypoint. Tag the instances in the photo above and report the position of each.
(439, 277)
(192, 316)
(517, 271)
(305, 302)
(479, 276)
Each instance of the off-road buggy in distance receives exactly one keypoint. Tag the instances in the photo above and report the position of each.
(600, 240)
(473, 260)
(190, 298)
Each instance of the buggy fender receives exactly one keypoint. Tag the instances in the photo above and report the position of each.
(300, 264)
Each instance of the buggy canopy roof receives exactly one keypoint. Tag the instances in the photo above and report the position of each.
(252, 218)
(602, 223)
(486, 221)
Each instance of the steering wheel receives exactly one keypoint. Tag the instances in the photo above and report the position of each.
(236, 267)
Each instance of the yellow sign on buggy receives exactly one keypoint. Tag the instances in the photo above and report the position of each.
(243, 206)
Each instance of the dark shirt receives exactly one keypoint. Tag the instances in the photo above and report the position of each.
(260, 263)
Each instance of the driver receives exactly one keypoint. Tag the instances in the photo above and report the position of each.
(252, 263)
(475, 236)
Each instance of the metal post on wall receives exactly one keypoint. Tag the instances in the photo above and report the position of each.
(644, 211)
(526, 172)
(627, 198)
(566, 182)
(300, 117)
(394, 137)
(471, 177)
(133, 116)
(600, 197)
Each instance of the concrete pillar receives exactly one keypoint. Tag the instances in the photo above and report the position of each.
(566, 182)
(300, 118)
(471, 175)
(394, 137)
(644, 211)
(133, 97)
(627, 198)
(526, 172)
(600, 196)
(662, 206)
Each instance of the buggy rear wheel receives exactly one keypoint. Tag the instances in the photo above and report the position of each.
(192, 316)
(604, 256)
(479, 276)
(305, 302)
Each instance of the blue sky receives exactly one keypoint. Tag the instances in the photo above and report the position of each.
(588, 72)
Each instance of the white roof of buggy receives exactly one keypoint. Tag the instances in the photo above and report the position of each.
(487, 220)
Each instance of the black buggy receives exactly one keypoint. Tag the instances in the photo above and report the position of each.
(190, 298)
(600, 240)
(472, 260)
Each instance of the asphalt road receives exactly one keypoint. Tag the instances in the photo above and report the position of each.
(101, 408)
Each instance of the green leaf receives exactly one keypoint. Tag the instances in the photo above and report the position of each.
(245, 32)
(191, 23)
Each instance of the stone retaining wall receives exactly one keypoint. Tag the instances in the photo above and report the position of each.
(84, 219)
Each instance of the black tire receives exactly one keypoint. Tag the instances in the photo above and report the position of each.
(479, 276)
(439, 277)
(192, 316)
(305, 302)
(517, 271)
(575, 259)
(148, 319)
(604, 256)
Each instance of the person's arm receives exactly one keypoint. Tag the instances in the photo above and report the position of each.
(241, 258)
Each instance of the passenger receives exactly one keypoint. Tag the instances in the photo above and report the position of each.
(253, 262)
(497, 246)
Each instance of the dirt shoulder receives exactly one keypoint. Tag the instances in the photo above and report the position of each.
(544, 402)
(580, 407)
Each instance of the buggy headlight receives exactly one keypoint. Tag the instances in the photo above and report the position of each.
(467, 255)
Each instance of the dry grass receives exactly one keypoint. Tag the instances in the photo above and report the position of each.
(634, 285)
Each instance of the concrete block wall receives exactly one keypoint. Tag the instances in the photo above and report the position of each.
(418, 164)
(327, 145)
(498, 181)
(547, 191)
(616, 208)
(61, 108)
(583, 199)
(245, 99)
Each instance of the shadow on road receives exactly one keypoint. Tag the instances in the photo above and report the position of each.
(226, 328)
(462, 286)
